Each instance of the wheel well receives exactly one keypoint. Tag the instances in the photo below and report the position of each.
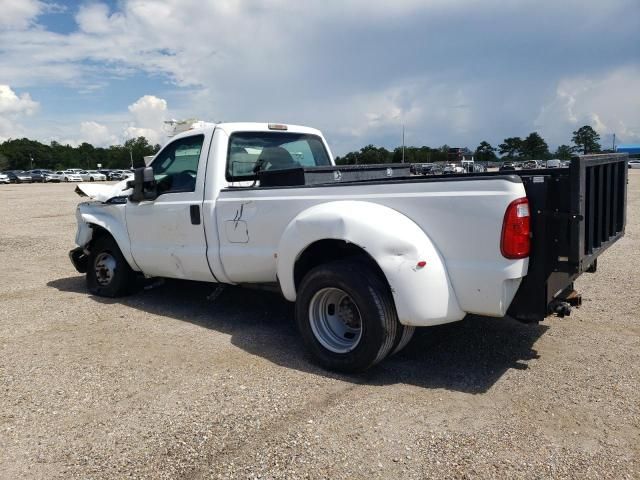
(325, 251)
(99, 232)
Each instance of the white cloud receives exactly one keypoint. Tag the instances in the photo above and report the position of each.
(11, 104)
(149, 113)
(610, 103)
(19, 13)
(12, 109)
(454, 72)
(94, 18)
(145, 117)
(96, 134)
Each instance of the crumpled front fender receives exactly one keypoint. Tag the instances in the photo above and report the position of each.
(109, 217)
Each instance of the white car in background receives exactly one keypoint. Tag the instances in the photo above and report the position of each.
(634, 163)
(94, 176)
(4, 178)
(70, 176)
(121, 174)
(554, 163)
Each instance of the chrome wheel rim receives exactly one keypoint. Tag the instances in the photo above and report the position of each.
(335, 320)
(105, 268)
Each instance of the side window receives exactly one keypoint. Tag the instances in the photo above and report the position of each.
(176, 167)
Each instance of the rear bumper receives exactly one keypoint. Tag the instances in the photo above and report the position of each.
(79, 259)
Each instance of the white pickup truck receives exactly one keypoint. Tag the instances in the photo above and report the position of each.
(367, 253)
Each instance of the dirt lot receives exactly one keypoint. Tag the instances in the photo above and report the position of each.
(169, 384)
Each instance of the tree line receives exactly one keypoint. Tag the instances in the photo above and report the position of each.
(25, 154)
(532, 147)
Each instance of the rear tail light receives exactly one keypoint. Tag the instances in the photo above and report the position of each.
(516, 230)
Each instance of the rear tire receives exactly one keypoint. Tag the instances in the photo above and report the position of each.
(403, 337)
(108, 273)
(346, 316)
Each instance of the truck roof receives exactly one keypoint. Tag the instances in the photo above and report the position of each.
(231, 127)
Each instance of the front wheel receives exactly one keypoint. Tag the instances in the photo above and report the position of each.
(108, 273)
(346, 316)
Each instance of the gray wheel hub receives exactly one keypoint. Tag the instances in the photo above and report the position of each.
(335, 320)
(105, 268)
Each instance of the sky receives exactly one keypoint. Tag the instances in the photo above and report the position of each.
(453, 72)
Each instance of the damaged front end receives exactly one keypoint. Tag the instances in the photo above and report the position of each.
(79, 258)
(105, 211)
(116, 193)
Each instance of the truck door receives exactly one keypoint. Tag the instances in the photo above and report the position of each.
(167, 234)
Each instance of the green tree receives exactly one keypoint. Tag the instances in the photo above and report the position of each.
(564, 152)
(485, 152)
(138, 148)
(534, 147)
(16, 154)
(4, 162)
(511, 147)
(586, 140)
(367, 155)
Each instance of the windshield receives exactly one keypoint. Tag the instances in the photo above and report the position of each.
(253, 151)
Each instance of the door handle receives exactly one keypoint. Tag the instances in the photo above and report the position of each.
(194, 210)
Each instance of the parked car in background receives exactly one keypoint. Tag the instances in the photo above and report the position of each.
(120, 174)
(530, 165)
(4, 178)
(452, 168)
(95, 176)
(37, 176)
(70, 176)
(51, 177)
(18, 176)
(634, 163)
(554, 163)
(424, 168)
(115, 175)
(507, 167)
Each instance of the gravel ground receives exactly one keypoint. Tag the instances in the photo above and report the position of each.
(169, 384)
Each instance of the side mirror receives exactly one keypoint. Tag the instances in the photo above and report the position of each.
(143, 184)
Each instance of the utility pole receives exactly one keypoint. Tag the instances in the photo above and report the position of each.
(403, 143)
(614, 142)
(131, 157)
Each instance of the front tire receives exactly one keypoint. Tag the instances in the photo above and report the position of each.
(108, 273)
(346, 316)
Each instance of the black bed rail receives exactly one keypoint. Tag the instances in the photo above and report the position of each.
(601, 181)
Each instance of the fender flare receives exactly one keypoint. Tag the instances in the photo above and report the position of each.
(422, 295)
(115, 229)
